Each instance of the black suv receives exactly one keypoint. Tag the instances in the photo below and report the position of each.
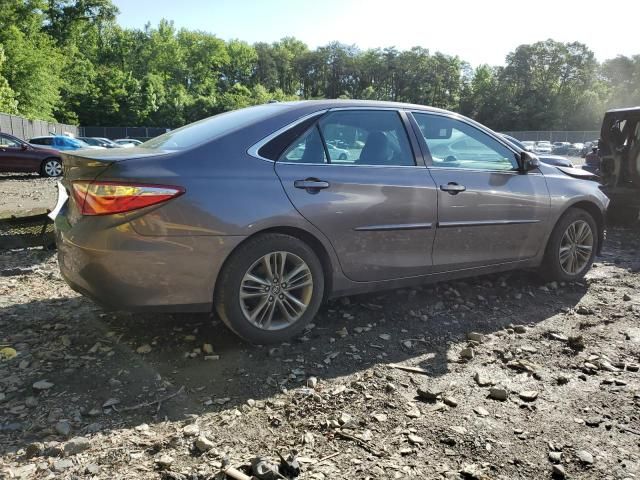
(619, 150)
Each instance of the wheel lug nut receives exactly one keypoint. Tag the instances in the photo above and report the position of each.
(281, 296)
(271, 299)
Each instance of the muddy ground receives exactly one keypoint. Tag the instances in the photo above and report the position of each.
(513, 379)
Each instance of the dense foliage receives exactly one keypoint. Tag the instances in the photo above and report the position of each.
(70, 61)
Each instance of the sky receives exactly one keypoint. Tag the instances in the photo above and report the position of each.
(480, 31)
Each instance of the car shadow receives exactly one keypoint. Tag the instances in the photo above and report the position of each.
(21, 261)
(93, 357)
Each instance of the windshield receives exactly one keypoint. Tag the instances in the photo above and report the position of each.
(210, 128)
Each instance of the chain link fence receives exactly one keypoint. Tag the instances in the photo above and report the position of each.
(556, 136)
(25, 129)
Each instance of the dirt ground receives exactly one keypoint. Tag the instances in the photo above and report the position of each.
(512, 379)
(23, 192)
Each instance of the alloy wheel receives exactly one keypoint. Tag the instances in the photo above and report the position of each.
(53, 168)
(576, 247)
(276, 290)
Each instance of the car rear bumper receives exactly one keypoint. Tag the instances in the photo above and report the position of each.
(122, 270)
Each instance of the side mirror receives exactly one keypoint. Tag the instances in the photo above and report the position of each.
(528, 161)
(24, 146)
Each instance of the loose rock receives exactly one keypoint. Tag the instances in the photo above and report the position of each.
(528, 395)
(76, 445)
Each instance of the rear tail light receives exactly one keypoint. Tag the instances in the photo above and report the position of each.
(104, 198)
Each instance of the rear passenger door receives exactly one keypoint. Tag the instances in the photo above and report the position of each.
(358, 176)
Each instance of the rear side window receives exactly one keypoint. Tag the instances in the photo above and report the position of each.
(354, 137)
(275, 147)
(307, 149)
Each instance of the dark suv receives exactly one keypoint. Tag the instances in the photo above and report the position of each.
(619, 150)
(19, 156)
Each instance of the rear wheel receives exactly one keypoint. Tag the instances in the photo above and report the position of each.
(51, 167)
(270, 288)
(572, 247)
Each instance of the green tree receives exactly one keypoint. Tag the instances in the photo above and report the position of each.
(8, 103)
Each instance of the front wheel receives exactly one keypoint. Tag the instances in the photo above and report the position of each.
(572, 247)
(51, 167)
(270, 288)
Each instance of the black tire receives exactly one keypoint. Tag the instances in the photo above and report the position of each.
(227, 293)
(622, 215)
(45, 171)
(551, 268)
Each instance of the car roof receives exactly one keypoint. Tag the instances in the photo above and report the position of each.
(621, 110)
(342, 103)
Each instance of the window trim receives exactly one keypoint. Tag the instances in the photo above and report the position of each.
(255, 148)
(427, 153)
(418, 157)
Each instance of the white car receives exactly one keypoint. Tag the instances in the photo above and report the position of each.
(337, 153)
(543, 147)
(128, 142)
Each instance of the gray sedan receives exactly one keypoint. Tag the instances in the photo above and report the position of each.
(250, 213)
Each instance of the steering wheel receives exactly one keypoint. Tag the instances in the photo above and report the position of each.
(450, 158)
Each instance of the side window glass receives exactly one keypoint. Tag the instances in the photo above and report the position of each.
(366, 137)
(455, 144)
(306, 149)
(7, 142)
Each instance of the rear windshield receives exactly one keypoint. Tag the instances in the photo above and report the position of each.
(210, 128)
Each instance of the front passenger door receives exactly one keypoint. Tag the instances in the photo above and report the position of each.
(489, 212)
(11, 155)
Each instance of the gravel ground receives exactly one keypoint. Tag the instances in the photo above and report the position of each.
(116, 395)
(507, 378)
(24, 192)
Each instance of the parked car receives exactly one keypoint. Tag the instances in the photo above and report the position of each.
(556, 160)
(588, 146)
(619, 152)
(128, 142)
(60, 143)
(225, 213)
(543, 147)
(529, 146)
(100, 142)
(561, 148)
(337, 153)
(18, 156)
(592, 161)
(576, 149)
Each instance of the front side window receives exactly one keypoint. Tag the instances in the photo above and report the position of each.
(354, 137)
(8, 142)
(455, 144)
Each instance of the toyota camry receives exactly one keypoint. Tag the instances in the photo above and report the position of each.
(252, 213)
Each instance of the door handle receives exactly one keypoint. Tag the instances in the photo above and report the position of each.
(453, 188)
(311, 184)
